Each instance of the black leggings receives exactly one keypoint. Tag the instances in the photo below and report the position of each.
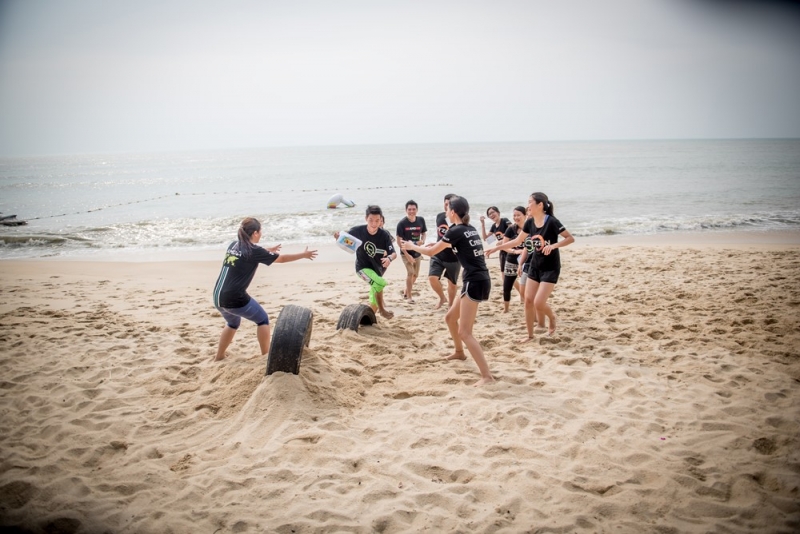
(503, 256)
(508, 285)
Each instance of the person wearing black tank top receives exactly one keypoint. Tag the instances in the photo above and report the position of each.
(465, 241)
(545, 264)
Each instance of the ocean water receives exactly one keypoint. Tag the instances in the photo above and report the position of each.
(81, 204)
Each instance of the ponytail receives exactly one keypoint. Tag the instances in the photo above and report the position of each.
(461, 207)
(249, 226)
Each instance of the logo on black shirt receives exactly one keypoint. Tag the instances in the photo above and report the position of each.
(372, 250)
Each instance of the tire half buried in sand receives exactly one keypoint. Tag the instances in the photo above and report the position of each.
(354, 316)
(292, 334)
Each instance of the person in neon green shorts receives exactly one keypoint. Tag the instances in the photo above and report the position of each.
(373, 257)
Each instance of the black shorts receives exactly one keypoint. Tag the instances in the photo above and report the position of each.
(450, 269)
(477, 290)
(550, 277)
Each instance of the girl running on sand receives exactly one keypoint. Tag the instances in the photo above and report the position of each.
(460, 318)
(230, 292)
(545, 266)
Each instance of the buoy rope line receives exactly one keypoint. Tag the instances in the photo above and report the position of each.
(100, 208)
(228, 193)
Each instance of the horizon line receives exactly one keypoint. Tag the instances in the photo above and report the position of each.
(403, 143)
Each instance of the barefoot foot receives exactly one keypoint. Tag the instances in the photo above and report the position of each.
(386, 314)
(457, 355)
(438, 305)
(483, 381)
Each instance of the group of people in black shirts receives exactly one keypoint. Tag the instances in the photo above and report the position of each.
(529, 261)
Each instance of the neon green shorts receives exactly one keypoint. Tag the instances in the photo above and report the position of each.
(376, 284)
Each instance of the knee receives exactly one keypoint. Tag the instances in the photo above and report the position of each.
(464, 333)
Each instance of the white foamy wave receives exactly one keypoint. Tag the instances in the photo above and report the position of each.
(654, 225)
(317, 227)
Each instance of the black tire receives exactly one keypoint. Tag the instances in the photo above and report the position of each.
(356, 315)
(292, 334)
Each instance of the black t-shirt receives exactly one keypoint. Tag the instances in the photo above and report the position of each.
(468, 248)
(412, 232)
(237, 273)
(511, 233)
(373, 248)
(548, 232)
(447, 255)
(499, 230)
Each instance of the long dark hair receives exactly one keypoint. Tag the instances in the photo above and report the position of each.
(542, 198)
(524, 213)
(461, 207)
(249, 226)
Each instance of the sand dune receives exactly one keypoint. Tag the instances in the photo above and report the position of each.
(668, 401)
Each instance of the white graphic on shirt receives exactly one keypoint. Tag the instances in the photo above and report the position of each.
(372, 250)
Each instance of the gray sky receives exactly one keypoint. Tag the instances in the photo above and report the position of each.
(86, 76)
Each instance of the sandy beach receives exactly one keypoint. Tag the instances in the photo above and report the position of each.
(667, 401)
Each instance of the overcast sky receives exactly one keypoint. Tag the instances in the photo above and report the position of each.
(85, 76)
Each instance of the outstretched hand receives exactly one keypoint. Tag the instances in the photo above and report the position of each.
(275, 249)
(309, 254)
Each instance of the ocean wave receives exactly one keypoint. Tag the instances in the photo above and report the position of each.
(316, 227)
(42, 240)
(655, 225)
(18, 241)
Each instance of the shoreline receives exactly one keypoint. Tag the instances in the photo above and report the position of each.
(330, 253)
